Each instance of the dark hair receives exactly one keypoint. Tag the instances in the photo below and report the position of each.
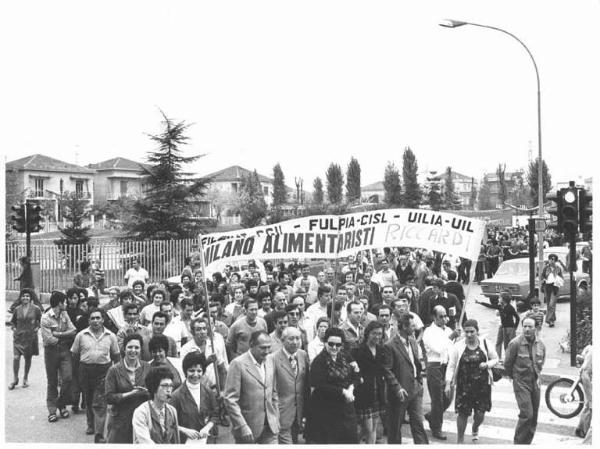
(291, 307)
(96, 309)
(251, 283)
(534, 300)
(322, 319)
(402, 318)
(217, 297)
(437, 283)
(191, 359)
(336, 306)
(254, 336)
(371, 326)
(335, 332)
(157, 342)
(165, 303)
(262, 295)
(130, 337)
(125, 294)
(29, 291)
(352, 303)
(84, 291)
(452, 275)
(382, 306)
(186, 302)
(138, 282)
(73, 291)
(154, 376)
(128, 307)
(159, 315)
(249, 301)
(84, 266)
(193, 324)
(279, 314)
(56, 298)
(471, 323)
(159, 291)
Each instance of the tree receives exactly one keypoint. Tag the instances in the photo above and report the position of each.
(519, 196)
(473, 198)
(450, 198)
(391, 186)
(485, 201)
(168, 207)
(434, 198)
(279, 190)
(252, 205)
(412, 191)
(335, 183)
(532, 180)
(353, 181)
(502, 191)
(75, 210)
(317, 197)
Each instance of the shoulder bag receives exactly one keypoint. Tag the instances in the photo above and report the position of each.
(496, 372)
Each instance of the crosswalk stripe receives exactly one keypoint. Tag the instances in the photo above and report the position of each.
(543, 417)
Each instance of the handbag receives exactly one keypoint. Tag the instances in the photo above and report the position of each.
(496, 372)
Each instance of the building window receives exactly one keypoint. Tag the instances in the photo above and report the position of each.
(123, 188)
(38, 187)
(234, 186)
(79, 187)
(62, 186)
(266, 190)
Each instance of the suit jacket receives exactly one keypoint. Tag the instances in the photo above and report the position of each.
(248, 400)
(352, 338)
(292, 390)
(398, 369)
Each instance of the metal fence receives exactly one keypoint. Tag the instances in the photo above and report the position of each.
(59, 264)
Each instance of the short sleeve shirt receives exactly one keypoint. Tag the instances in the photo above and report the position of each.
(94, 350)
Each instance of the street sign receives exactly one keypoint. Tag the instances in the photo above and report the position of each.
(540, 225)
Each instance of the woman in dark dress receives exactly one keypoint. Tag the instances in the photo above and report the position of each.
(469, 369)
(331, 418)
(370, 394)
(159, 347)
(25, 323)
(126, 390)
(195, 401)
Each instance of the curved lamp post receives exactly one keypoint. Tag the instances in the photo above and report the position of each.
(448, 23)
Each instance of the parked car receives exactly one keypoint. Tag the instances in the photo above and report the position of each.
(513, 275)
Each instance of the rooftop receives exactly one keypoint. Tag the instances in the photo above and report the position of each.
(234, 173)
(39, 162)
(119, 163)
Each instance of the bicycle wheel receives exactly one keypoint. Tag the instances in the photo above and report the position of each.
(560, 402)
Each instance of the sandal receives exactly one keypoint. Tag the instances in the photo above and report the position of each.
(12, 385)
(52, 417)
(25, 384)
(64, 413)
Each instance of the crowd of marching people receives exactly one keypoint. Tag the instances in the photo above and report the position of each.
(273, 353)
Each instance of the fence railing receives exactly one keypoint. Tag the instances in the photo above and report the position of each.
(59, 264)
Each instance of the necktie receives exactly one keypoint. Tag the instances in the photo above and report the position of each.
(294, 364)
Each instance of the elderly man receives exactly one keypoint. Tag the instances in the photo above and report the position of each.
(251, 394)
(438, 339)
(525, 357)
(291, 378)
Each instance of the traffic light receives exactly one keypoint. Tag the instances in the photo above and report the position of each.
(569, 214)
(34, 217)
(18, 217)
(585, 211)
(554, 209)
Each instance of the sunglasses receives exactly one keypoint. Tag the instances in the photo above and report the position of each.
(334, 345)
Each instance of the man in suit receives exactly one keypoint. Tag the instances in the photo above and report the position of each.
(251, 394)
(403, 377)
(291, 379)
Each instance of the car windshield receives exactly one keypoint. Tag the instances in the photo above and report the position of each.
(513, 269)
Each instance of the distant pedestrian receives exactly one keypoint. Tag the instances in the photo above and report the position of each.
(552, 279)
(135, 273)
(536, 313)
(25, 324)
(525, 357)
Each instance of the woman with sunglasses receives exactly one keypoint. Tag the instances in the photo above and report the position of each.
(331, 418)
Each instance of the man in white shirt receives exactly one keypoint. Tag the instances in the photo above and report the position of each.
(136, 273)
(385, 277)
(318, 309)
(438, 339)
(175, 327)
(401, 304)
(314, 284)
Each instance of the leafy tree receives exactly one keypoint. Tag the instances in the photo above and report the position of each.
(473, 198)
(485, 201)
(392, 195)
(450, 198)
(532, 180)
(335, 183)
(412, 191)
(252, 205)
(279, 191)
(318, 191)
(502, 190)
(353, 181)
(168, 207)
(434, 198)
(75, 210)
(519, 196)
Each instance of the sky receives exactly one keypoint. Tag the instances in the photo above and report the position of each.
(304, 83)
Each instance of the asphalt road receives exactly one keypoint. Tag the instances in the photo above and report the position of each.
(26, 414)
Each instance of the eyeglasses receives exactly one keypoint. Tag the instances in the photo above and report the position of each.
(166, 386)
(294, 313)
(334, 345)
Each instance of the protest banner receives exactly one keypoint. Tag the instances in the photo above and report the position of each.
(333, 236)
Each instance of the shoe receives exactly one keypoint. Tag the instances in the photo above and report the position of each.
(64, 413)
(52, 417)
(12, 385)
(551, 324)
(579, 433)
(475, 437)
(25, 383)
(439, 435)
(99, 439)
(89, 431)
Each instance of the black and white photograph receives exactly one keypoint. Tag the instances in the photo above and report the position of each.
(282, 222)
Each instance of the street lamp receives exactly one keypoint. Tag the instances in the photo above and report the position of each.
(448, 23)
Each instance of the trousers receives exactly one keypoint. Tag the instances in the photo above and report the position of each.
(395, 417)
(550, 296)
(436, 381)
(58, 360)
(91, 382)
(505, 335)
(528, 400)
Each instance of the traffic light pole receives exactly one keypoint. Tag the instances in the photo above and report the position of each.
(27, 231)
(573, 297)
(531, 227)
